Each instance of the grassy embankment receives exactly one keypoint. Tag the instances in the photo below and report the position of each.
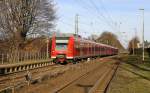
(133, 76)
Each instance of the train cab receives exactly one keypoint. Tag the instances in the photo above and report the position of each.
(62, 48)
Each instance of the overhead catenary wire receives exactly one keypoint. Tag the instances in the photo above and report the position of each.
(106, 11)
(90, 13)
(106, 17)
(112, 25)
(82, 21)
(72, 26)
(101, 14)
(110, 17)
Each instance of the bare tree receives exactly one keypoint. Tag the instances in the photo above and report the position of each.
(20, 18)
(133, 44)
(110, 39)
(93, 37)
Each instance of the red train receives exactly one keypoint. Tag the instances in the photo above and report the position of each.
(70, 48)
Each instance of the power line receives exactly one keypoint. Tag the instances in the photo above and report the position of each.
(110, 17)
(72, 26)
(81, 21)
(102, 15)
(89, 7)
(90, 12)
(103, 7)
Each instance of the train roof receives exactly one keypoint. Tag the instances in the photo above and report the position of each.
(78, 36)
(67, 35)
(89, 41)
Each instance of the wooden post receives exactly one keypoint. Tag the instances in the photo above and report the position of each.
(2, 58)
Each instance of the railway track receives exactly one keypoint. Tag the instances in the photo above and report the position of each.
(102, 83)
(87, 82)
(8, 81)
(19, 78)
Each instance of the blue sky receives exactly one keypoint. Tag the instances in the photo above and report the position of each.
(97, 16)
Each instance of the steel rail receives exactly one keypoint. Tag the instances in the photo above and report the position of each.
(103, 83)
(78, 78)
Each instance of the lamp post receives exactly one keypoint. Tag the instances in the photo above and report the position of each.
(143, 30)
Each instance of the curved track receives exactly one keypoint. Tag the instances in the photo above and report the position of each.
(87, 82)
(83, 83)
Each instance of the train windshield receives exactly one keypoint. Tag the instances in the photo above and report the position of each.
(62, 43)
(61, 46)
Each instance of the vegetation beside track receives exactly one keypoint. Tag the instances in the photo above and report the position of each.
(133, 76)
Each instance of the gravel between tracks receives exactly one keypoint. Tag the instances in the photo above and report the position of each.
(56, 81)
(88, 80)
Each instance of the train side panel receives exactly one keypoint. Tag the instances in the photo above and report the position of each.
(53, 53)
(70, 50)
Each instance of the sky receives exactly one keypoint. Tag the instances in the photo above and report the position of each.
(121, 17)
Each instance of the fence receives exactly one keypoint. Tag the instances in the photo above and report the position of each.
(8, 58)
(138, 51)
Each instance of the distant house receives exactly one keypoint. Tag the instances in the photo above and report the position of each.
(146, 44)
(139, 45)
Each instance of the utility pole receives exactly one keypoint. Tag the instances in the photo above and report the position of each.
(47, 50)
(76, 24)
(47, 44)
(77, 30)
(143, 31)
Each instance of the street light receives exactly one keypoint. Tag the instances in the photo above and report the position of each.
(143, 30)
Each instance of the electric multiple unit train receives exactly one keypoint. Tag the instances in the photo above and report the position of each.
(71, 48)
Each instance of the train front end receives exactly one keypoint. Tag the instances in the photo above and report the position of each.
(62, 49)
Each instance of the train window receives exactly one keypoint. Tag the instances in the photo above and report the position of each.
(62, 38)
(102, 48)
(61, 46)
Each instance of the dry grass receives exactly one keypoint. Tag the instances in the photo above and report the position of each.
(131, 77)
